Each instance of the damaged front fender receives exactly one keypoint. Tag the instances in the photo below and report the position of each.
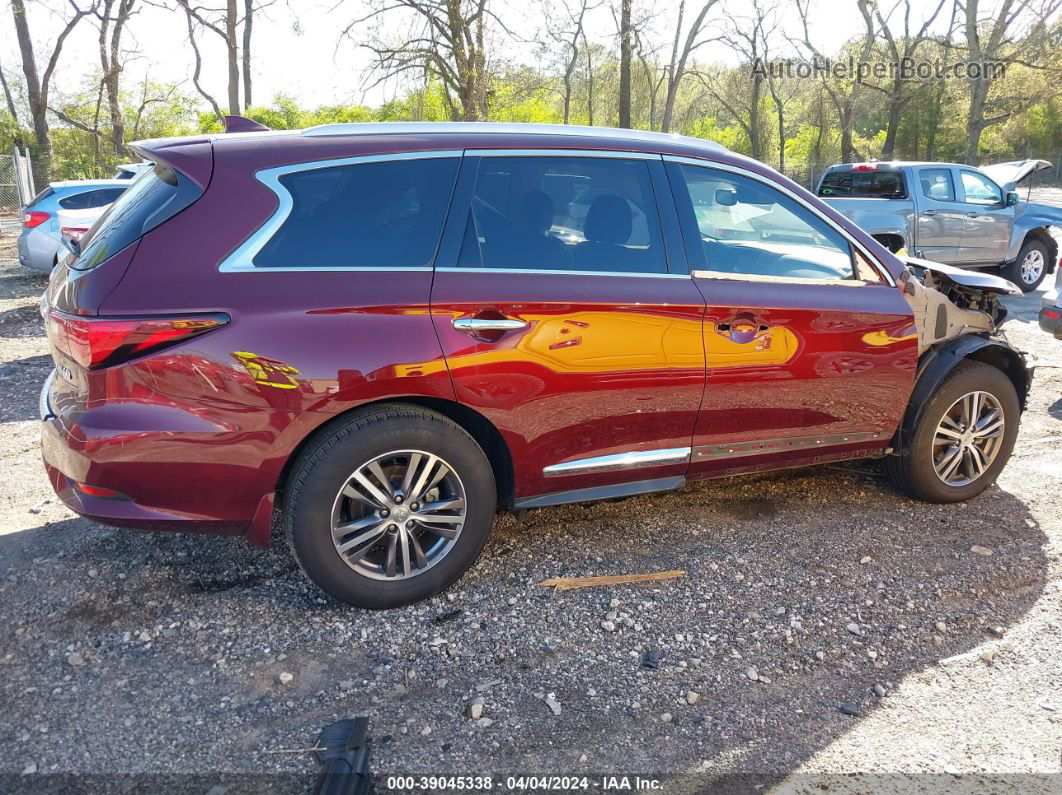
(949, 302)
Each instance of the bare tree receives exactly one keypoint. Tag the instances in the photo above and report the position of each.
(745, 36)
(681, 49)
(625, 37)
(114, 14)
(765, 25)
(248, 25)
(1018, 34)
(899, 89)
(570, 35)
(38, 86)
(843, 93)
(226, 23)
(447, 38)
(9, 99)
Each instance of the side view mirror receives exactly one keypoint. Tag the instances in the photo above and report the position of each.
(1012, 198)
(727, 198)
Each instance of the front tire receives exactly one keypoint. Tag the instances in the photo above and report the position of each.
(389, 507)
(1029, 269)
(963, 439)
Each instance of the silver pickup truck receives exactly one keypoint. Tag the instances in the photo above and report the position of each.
(951, 213)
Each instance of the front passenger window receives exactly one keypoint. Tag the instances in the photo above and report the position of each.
(749, 228)
(979, 190)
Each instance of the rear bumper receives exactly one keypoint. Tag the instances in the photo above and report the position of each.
(160, 483)
(1051, 313)
(37, 250)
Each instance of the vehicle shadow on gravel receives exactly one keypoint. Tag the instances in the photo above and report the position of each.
(17, 282)
(802, 592)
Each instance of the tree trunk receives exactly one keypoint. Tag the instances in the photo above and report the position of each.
(589, 84)
(38, 99)
(625, 64)
(233, 57)
(248, 18)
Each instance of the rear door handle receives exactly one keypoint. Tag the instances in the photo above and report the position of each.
(929, 212)
(475, 325)
(972, 215)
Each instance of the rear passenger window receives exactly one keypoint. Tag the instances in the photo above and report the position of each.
(564, 214)
(385, 214)
(936, 184)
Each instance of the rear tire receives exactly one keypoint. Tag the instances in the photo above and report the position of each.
(927, 468)
(1030, 268)
(368, 535)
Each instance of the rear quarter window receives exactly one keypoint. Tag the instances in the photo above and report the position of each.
(363, 215)
(152, 198)
(864, 184)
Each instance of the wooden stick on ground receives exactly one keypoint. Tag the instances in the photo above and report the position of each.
(571, 583)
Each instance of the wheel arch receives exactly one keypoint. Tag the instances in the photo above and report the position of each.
(1043, 235)
(486, 435)
(937, 363)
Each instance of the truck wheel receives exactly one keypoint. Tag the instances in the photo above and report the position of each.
(963, 439)
(1029, 269)
(389, 507)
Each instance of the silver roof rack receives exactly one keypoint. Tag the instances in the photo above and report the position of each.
(499, 128)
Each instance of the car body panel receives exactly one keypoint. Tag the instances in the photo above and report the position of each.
(607, 365)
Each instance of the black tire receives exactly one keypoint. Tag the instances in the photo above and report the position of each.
(1013, 271)
(327, 464)
(912, 469)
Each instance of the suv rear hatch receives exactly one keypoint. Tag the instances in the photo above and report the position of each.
(83, 343)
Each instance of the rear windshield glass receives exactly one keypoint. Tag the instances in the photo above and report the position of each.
(864, 184)
(44, 194)
(151, 198)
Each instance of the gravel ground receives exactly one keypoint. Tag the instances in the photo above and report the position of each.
(810, 637)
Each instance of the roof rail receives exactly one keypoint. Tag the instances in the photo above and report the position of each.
(498, 128)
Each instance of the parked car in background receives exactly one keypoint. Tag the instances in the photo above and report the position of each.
(73, 224)
(1051, 309)
(380, 333)
(131, 170)
(40, 241)
(951, 213)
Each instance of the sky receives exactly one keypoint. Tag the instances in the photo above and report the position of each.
(303, 59)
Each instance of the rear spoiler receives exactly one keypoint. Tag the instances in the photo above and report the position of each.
(238, 124)
(192, 156)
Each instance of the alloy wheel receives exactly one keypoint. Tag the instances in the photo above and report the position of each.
(968, 438)
(398, 515)
(1032, 266)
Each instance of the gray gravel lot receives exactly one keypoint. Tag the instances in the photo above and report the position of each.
(126, 654)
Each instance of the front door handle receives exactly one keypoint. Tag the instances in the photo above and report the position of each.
(477, 325)
(929, 212)
(742, 330)
(972, 215)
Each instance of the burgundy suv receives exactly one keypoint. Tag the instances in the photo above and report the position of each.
(380, 334)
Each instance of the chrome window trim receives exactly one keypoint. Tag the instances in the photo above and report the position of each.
(589, 153)
(242, 259)
(541, 271)
(629, 460)
(881, 269)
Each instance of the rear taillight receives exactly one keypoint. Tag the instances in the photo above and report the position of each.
(95, 342)
(73, 232)
(34, 218)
